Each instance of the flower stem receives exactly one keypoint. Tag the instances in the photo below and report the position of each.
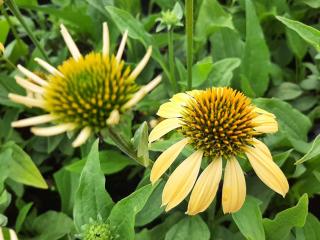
(16, 12)
(189, 31)
(171, 60)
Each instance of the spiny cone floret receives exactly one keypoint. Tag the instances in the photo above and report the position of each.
(89, 90)
(218, 121)
(98, 231)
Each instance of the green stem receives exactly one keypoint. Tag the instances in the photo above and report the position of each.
(9, 62)
(171, 60)
(189, 31)
(16, 12)
(13, 29)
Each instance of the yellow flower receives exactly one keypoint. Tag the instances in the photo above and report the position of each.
(1, 48)
(220, 124)
(84, 93)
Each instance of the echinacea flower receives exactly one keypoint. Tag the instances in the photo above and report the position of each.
(84, 93)
(220, 124)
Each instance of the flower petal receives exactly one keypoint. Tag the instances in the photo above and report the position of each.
(181, 180)
(170, 110)
(265, 124)
(266, 169)
(234, 187)
(165, 160)
(205, 188)
(180, 99)
(163, 128)
(262, 111)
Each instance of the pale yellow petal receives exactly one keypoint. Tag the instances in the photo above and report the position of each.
(265, 124)
(170, 110)
(205, 188)
(180, 99)
(234, 187)
(166, 158)
(266, 169)
(163, 128)
(262, 111)
(181, 180)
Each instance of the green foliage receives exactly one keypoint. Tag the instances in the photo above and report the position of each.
(269, 50)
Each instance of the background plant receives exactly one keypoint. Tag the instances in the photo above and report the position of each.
(267, 49)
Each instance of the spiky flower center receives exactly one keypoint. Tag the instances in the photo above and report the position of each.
(219, 121)
(90, 88)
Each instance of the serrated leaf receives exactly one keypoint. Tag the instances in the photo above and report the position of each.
(122, 216)
(92, 199)
(279, 228)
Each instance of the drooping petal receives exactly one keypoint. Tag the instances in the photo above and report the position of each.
(33, 121)
(163, 128)
(122, 46)
(170, 110)
(234, 187)
(181, 180)
(73, 49)
(106, 41)
(144, 90)
(48, 67)
(54, 130)
(265, 124)
(205, 188)
(266, 169)
(135, 73)
(82, 137)
(166, 158)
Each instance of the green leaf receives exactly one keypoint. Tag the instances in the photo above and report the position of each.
(222, 72)
(91, 199)
(67, 183)
(211, 17)
(279, 228)
(200, 71)
(311, 228)
(4, 26)
(311, 3)
(249, 219)
(309, 34)
(22, 168)
(51, 226)
(313, 152)
(152, 208)
(110, 161)
(122, 216)
(255, 65)
(296, 43)
(293, 123)
(287, 91)
(191, 228)
(125, 21)
(22, 216)
(140, 142)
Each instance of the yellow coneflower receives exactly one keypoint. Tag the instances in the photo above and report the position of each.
(220, 124)
(84, 93)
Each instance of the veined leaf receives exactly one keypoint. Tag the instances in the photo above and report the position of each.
(309, 34)
(313, 152)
